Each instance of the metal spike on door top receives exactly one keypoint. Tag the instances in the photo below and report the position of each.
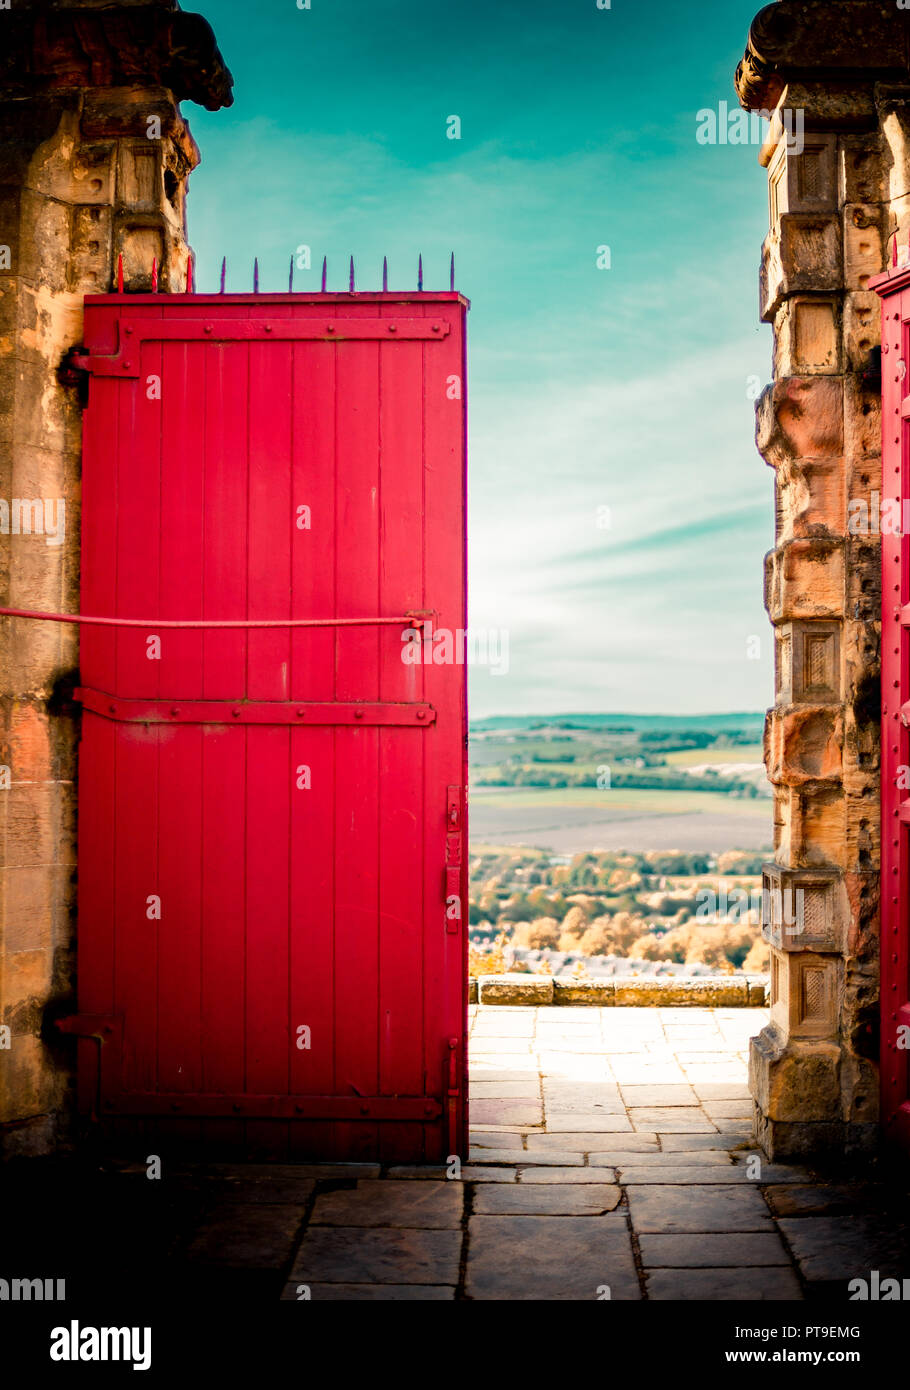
(190, 286)
(351, 277)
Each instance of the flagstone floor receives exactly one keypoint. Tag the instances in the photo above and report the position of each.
(611, 1158)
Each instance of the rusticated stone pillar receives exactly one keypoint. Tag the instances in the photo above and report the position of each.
(838, 71)
(94, 159)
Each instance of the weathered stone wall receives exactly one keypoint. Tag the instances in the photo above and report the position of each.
(94, 160)
(836, 196)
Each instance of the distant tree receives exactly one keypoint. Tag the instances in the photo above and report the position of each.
(575, 922)
(539, 935)
(597, 939)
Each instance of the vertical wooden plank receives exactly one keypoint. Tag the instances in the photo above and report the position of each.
(95, 897)
(269, 771)
(180, 745)
(100, 481)
(136, 551)
(401, 750)
(225, 537)
(223, 865)
(312, 859)
(357, 767)
(445, 956)
(138, 529)
(136, 879)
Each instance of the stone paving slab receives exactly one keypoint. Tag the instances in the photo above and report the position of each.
(672, 1210)
(558, 1158)
(505, 1090)
(276, 1172)
(550, 1257)
(519, 1130)
(428, 1172)
(725, 1285)
(728, 1109)
(378, 1202)
(810, 1199)
(659, 1095)
(671, 1119)
(707, 1251)
(722, 1090)
(658, 1159)
(507, 1112)
(593, 1143)
(495, 1139)
(538, 1199)
(566, 1175)
(688, 1143)
(587, 1122)
(492, 1068)
(371, 1293)
(634, 1173)
(356, 1255)
(282, 1191)
(840, 1248)
(246, 1237)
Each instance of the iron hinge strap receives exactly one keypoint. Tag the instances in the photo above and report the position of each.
(134, 332)
(307, 712)
(193, 1105)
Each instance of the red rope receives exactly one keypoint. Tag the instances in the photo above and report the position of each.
(85, 619)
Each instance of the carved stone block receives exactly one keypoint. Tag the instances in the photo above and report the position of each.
(810, 672)
(810, 498)
(806, 254)
(804, 744)
(807, 336)
(808, 988)
(859, 169)
(804, 578)
(805, 182)
(803, 909)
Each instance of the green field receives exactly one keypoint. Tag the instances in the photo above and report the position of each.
(695, 757)
(645, 799)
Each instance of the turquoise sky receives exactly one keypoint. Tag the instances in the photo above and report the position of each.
(625, 389)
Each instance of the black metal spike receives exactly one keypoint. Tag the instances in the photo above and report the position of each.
(420, 272)
(256, 275)
(351, 277)
(324, 260)
(291, 277)
(385, 274)
(223, 269)
(452, 272)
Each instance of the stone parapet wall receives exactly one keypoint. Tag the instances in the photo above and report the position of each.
(833, 75)
(694, 992)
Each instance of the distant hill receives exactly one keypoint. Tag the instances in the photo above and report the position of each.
(752, 723)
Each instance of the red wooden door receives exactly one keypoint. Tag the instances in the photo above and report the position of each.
(272, 818)
(895, 740)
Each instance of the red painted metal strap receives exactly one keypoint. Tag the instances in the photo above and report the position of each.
(420, 1109)
(133, 333)
(87, 620)
(252, 711)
